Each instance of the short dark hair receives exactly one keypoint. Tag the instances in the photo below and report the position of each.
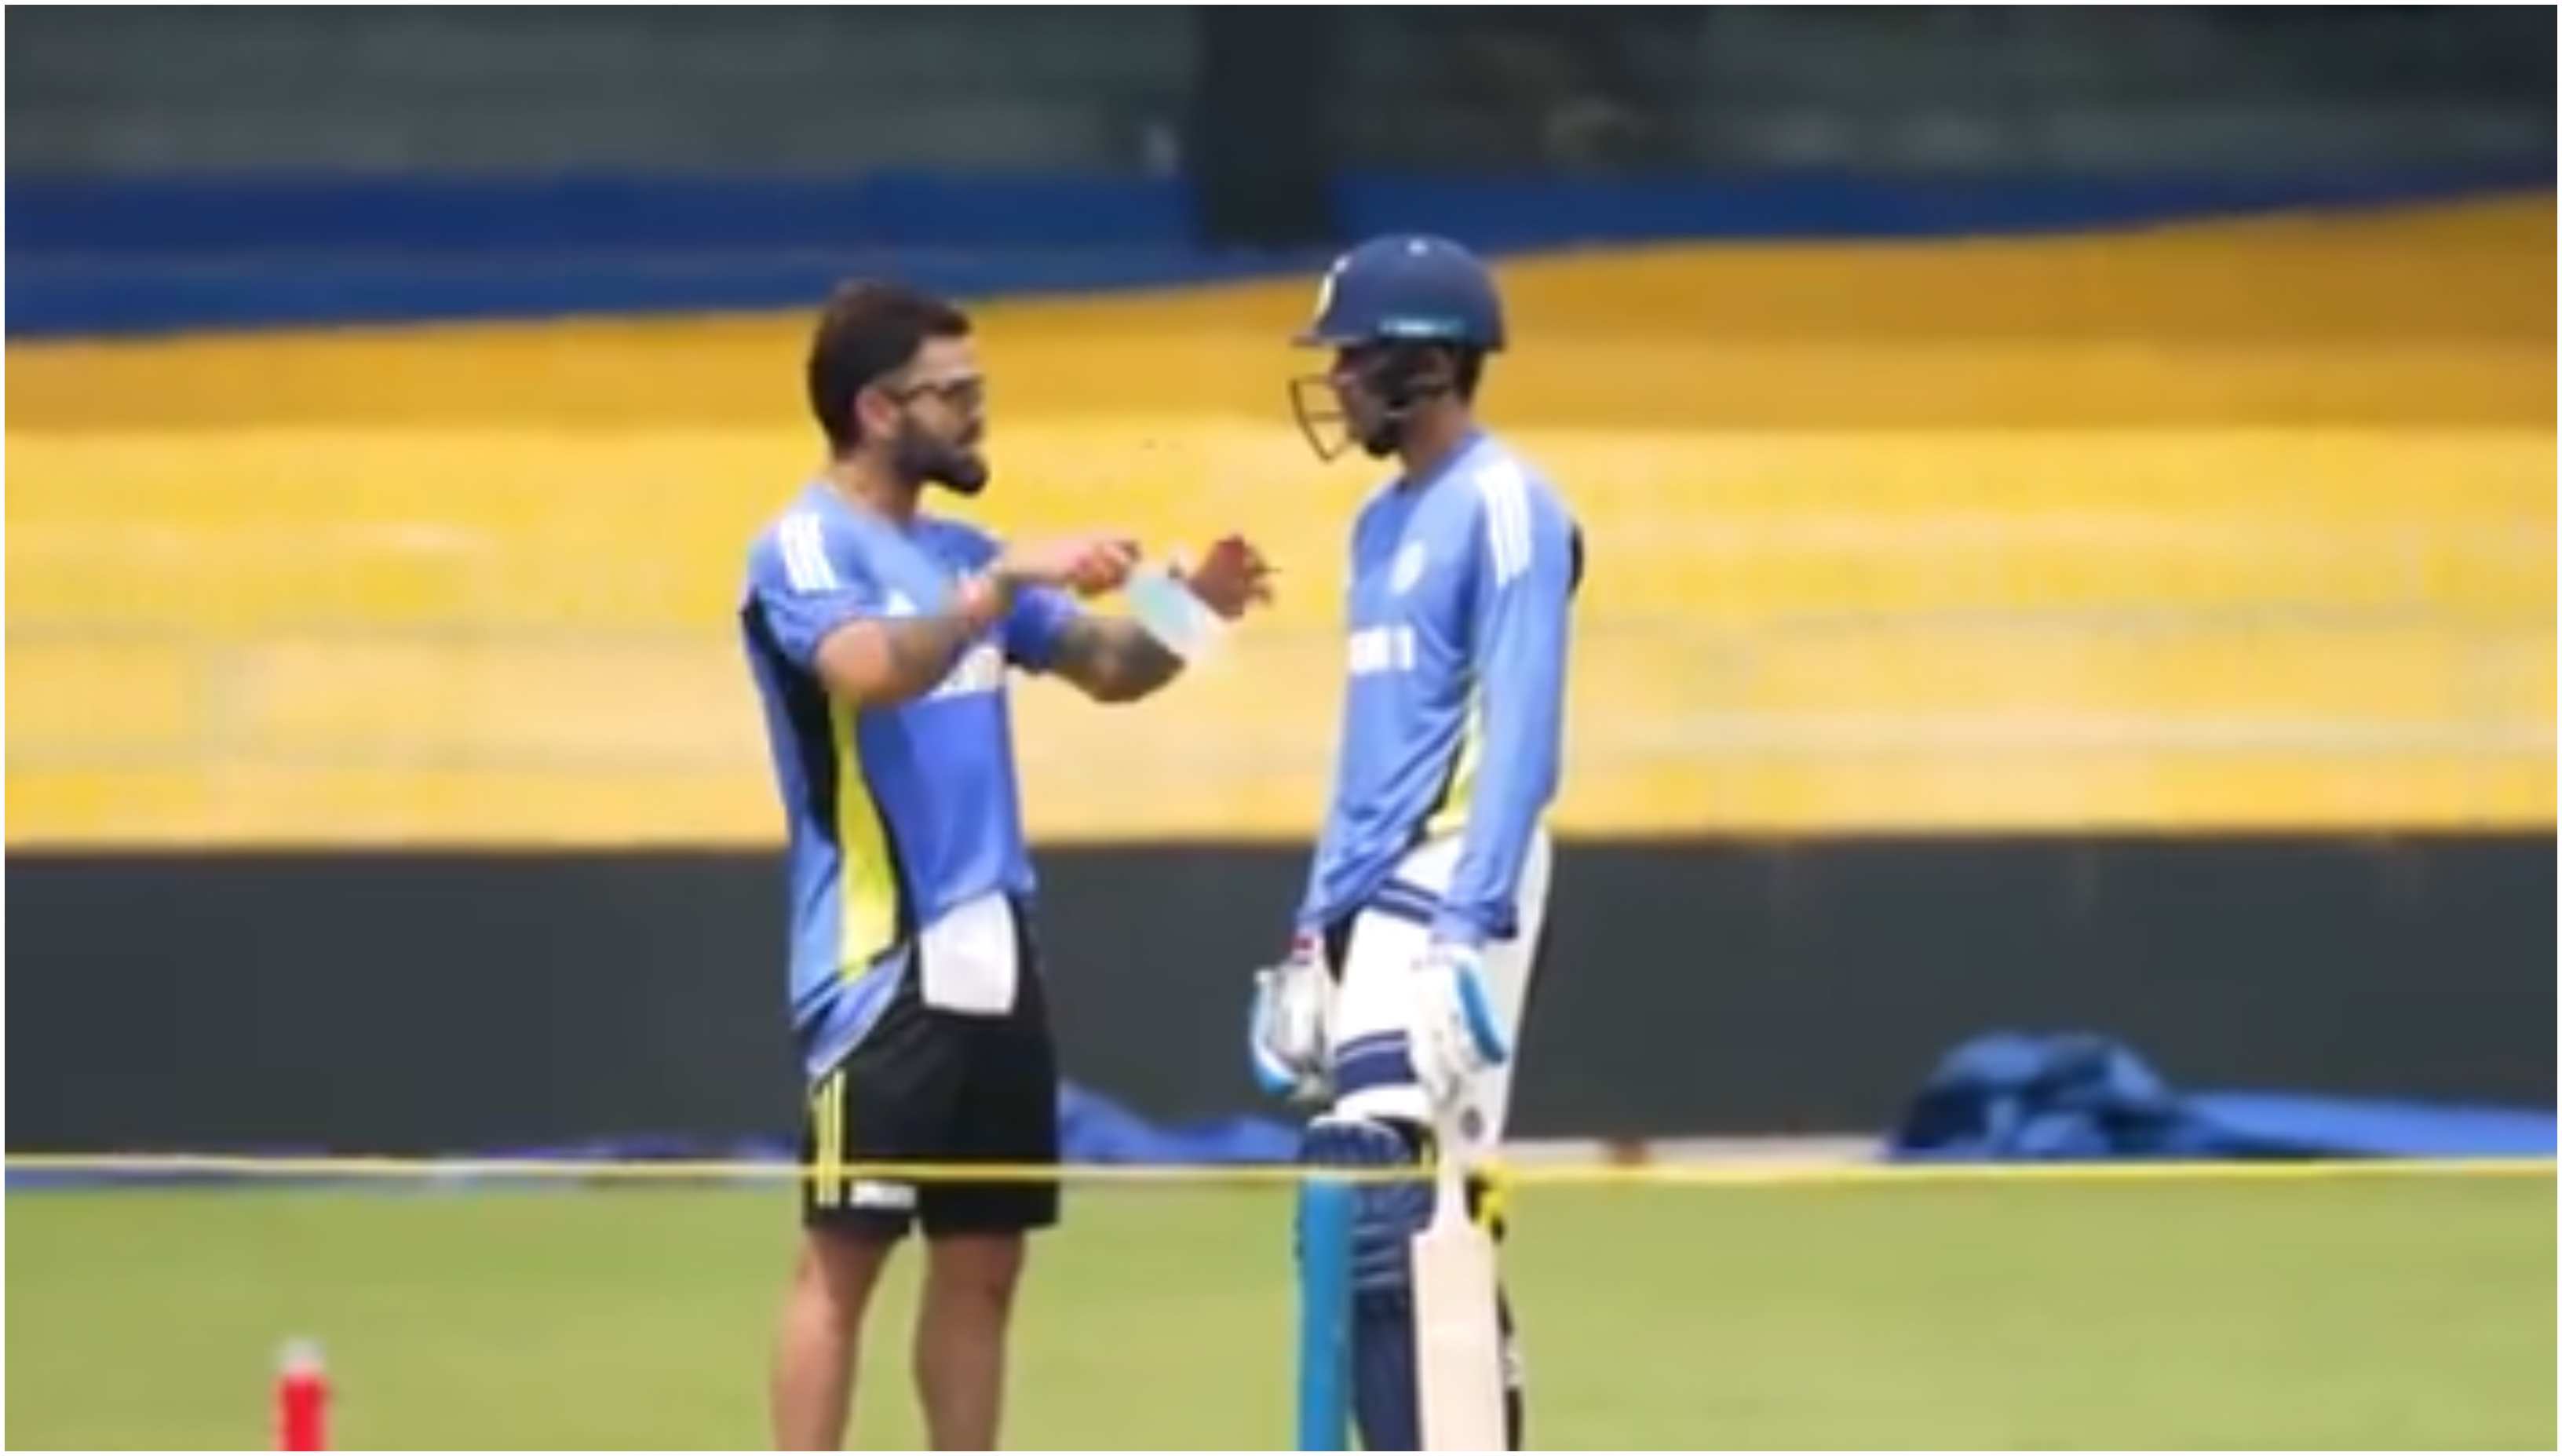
(869, 330)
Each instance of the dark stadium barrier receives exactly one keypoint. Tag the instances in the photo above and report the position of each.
(452, 1001)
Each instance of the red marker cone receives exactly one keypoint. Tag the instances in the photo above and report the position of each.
(301, 1399)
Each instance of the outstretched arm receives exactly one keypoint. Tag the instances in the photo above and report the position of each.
(1113, 660)
(873, 661)
(1116, 660)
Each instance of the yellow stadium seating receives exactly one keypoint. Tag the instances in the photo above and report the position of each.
(2244, 526)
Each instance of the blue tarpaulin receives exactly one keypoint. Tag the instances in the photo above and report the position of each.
(1092, 1128)
(2081, 1096)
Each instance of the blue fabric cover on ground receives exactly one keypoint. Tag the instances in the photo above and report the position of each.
(1092, 1128)
(2020, 1096)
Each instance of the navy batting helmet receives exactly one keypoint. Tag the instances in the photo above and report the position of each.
(1391, 304)
(1408, 287)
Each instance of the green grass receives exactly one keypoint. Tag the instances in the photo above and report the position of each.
(2401, 1314)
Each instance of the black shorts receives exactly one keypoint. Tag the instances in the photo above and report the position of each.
(934, 1086)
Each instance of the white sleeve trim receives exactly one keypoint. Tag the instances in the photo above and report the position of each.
(804, 554)
(1507, 498)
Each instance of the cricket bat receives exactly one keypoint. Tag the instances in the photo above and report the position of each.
(1458, 1355)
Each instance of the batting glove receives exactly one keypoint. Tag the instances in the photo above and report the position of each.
(1455, 1034)
(1287, 1033)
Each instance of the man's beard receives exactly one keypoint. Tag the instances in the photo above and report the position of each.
(921, 459)
(1379, 434)
(1379, 427)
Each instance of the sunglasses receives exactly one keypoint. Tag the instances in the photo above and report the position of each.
(961, 390)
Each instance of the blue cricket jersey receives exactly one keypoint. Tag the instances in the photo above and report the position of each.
(897, 814)
(1452, 713)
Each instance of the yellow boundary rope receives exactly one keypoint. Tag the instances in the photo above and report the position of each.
(1686, 1175)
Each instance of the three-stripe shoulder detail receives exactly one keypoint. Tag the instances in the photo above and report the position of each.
(803, 551)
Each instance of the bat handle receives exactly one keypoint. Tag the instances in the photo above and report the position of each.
(1449, 1173)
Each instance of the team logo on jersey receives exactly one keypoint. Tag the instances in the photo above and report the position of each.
(898, 604)
(1381, 650)
(1408, 569)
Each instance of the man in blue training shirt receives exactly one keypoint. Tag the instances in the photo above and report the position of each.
(1415, 940)
(879, 639)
